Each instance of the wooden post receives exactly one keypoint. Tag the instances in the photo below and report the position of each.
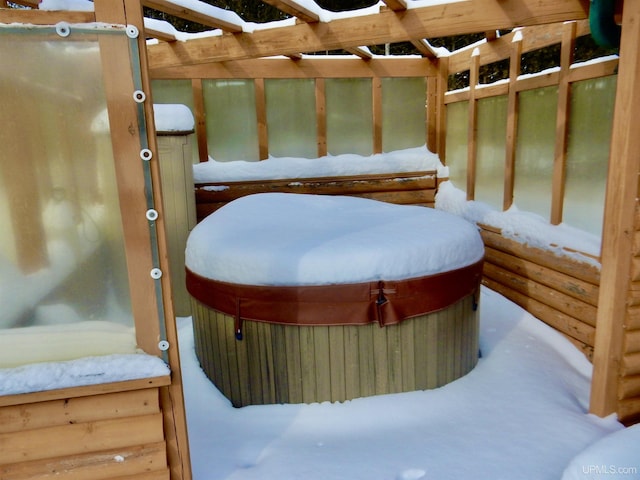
(472, 134)
(620, 208)
(562, 122)
(119, 87)
(512, 123)
(441, 122)
(321, 117)
(431, 114)
(376, 112)
(200, 119)
(261, 117)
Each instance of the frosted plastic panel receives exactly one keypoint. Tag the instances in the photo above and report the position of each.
(592, 104)
(291, 118)
(492, 127)
(173, 91)
(403, 113)
(63, 278)
(349, 117)
(232, 129)
(180, 92)
(456, 156)
(535, 150)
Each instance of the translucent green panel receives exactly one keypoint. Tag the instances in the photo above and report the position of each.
(492, 127)
(349, 117)
(173, 91)
(403, 113)
(63, 279)
(176, 92)
(457, 128)
(291, 119)
(592, 104)
(232, 129)
(535, 150)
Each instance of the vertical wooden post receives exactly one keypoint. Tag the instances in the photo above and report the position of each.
(512, 123)
(321, 117)
(562, 123)
(431, 114)
(200, 119)
(472, 134)
(441, 122)
(376, 113)
(261, 116)
(119, 87)
(618, 232)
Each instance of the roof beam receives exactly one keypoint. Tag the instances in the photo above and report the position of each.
(294, 9)
(228, 24)
(463, 17)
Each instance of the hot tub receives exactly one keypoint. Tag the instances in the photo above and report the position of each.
(310, 298)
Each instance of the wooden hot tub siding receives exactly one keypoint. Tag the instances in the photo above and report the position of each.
(303, 364)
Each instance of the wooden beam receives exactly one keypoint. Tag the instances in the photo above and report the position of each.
(294, 9)
(396, 5)
(361, 52)
(425, 49)
(177, 10)
(620, 210)
(44, 17)
(533, 38)
(384, 27)
(308, 67)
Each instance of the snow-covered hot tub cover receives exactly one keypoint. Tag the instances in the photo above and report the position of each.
(330, 260)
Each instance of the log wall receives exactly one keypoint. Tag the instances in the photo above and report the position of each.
(81, 434)
(560, 291)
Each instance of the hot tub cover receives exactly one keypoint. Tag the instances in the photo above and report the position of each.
(334, 259)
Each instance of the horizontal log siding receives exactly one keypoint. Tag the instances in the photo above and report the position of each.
(560, 291)
(412, 188)
(106, 436)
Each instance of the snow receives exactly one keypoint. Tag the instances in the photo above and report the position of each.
(173, 118)
(520, 414)
(522, 226)
(414, 159)
(91, 370)
(296, 239)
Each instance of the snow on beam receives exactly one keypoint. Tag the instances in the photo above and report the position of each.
(385, 27)
(204, 14)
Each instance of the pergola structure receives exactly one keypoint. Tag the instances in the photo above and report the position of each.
(240, 50)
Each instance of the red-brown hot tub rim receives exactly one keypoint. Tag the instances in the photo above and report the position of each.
(387, 302)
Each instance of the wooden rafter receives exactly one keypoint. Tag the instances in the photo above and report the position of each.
(396, 5)
(425, 49)
(294, 9)
(384, 27)
(174, 9)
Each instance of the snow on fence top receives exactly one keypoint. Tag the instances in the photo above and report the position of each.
(417, 159)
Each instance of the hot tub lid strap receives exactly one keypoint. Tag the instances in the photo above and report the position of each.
(384, 302)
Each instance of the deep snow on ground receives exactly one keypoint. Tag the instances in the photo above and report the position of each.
(520, 414)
